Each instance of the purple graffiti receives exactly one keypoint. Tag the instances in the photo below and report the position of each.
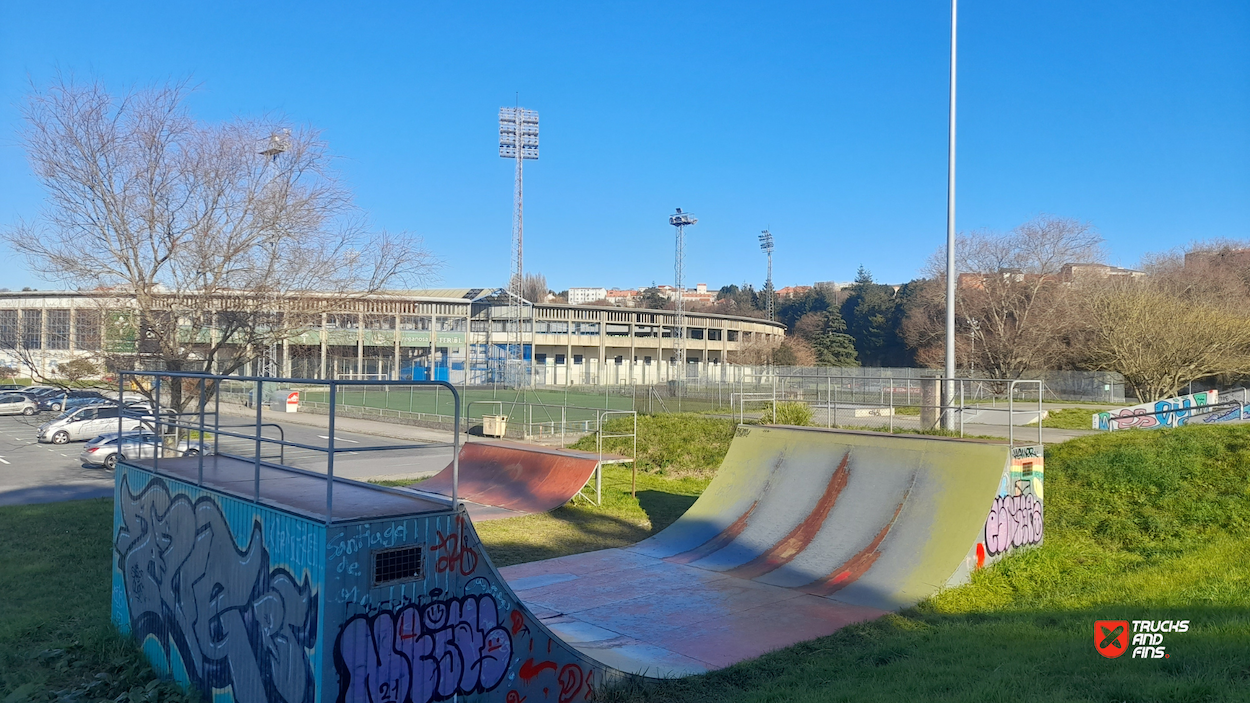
(1014, 521)
(423, 653)
(234, 621)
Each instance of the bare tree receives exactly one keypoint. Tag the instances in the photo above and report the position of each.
(1012, 304)
(219, 240)
(534, 288)
(1188, 320)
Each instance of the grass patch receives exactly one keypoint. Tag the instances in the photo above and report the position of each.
(1138, 526)
(1069, 419)
(56, 641)
(581, 527)
(673, 444)
(787, 413)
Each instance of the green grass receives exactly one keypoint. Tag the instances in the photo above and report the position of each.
(671, 443)
(1138, 526)
(1069, 419)
(1149, 525)
(56, 641)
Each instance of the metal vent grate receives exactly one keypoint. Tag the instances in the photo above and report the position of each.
(391, 565)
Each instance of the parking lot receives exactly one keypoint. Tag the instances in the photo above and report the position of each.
(31, 472)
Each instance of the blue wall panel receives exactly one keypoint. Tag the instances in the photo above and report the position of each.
(222, 594)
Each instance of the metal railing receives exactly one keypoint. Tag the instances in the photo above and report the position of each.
(200, 422)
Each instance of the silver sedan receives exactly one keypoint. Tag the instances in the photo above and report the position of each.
(17, 404)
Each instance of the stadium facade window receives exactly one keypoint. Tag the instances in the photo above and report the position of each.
(731, 335)
(8, 328)
(32, 329)
(87, 330)
(58, 329)
(559, 359)
(577, 359)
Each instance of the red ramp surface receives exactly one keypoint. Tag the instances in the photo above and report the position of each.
(506, 480)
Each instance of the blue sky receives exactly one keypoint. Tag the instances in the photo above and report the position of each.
(824, 121)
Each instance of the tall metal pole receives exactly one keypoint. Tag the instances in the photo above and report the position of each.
(518, 259)
(680, 220)
(947, 385)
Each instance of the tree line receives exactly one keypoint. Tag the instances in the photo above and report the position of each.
(1036, 297)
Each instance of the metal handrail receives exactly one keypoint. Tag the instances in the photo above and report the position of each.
(633, 486)
(330, 450)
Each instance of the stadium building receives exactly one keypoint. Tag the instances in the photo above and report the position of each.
(456, 335)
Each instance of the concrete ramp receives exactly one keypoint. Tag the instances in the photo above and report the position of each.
(802, 532)
(503, 479)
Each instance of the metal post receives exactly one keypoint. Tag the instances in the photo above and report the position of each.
(891, 406)
(217, 416)
(950, 228)
(774, 399)
(334, 387)
(455, 457)
(1011, 413)
(260, 389)
(1039, 411)
(156, 416)
(200, 440)
(121, 390)
(961, 408)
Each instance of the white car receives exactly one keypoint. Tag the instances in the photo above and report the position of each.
(106, 450)
(17, 404)
(80, 424)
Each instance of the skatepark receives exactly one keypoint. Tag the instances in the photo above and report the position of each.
(802, 532)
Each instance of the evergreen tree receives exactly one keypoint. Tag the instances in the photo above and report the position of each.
(869, 312)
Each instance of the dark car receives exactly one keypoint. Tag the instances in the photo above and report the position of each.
(58, 400)
(6, 387)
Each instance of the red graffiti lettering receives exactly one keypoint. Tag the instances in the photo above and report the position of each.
(529, 670)
(980, 554)
(518, 624)
(514, 697)
(571, 679)
(458, 555)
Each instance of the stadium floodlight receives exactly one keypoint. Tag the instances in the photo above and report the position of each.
(518, 140)
(766, 244)
(680, 220)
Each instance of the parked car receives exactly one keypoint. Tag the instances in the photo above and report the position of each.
(78, 424)
(17, 404)
(107, 449)
(58, 401)
(5, 387)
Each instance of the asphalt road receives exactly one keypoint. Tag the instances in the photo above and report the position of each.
(40, 473)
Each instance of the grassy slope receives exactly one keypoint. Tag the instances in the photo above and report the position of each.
(55, 634)
(1149, 525)
(672, 443)
(1069, 419)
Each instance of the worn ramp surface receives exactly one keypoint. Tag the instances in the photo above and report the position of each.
(802, 532)
(503, 479)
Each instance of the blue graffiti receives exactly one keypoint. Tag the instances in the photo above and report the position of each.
(233, 620)
(422, 653)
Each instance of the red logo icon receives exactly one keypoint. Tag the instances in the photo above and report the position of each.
(1111, 637)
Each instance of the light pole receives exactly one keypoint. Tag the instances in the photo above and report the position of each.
(518, 140)
(680, 220)
(948, 384)
(766, 244)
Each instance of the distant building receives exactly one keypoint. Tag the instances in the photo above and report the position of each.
(1073, 272)
(792, 291)
(700, 294)
(1239, 258)
(581, 296)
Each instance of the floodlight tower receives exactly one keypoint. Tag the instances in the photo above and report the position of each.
(518, 139)
(766, 244)
(680, 220)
